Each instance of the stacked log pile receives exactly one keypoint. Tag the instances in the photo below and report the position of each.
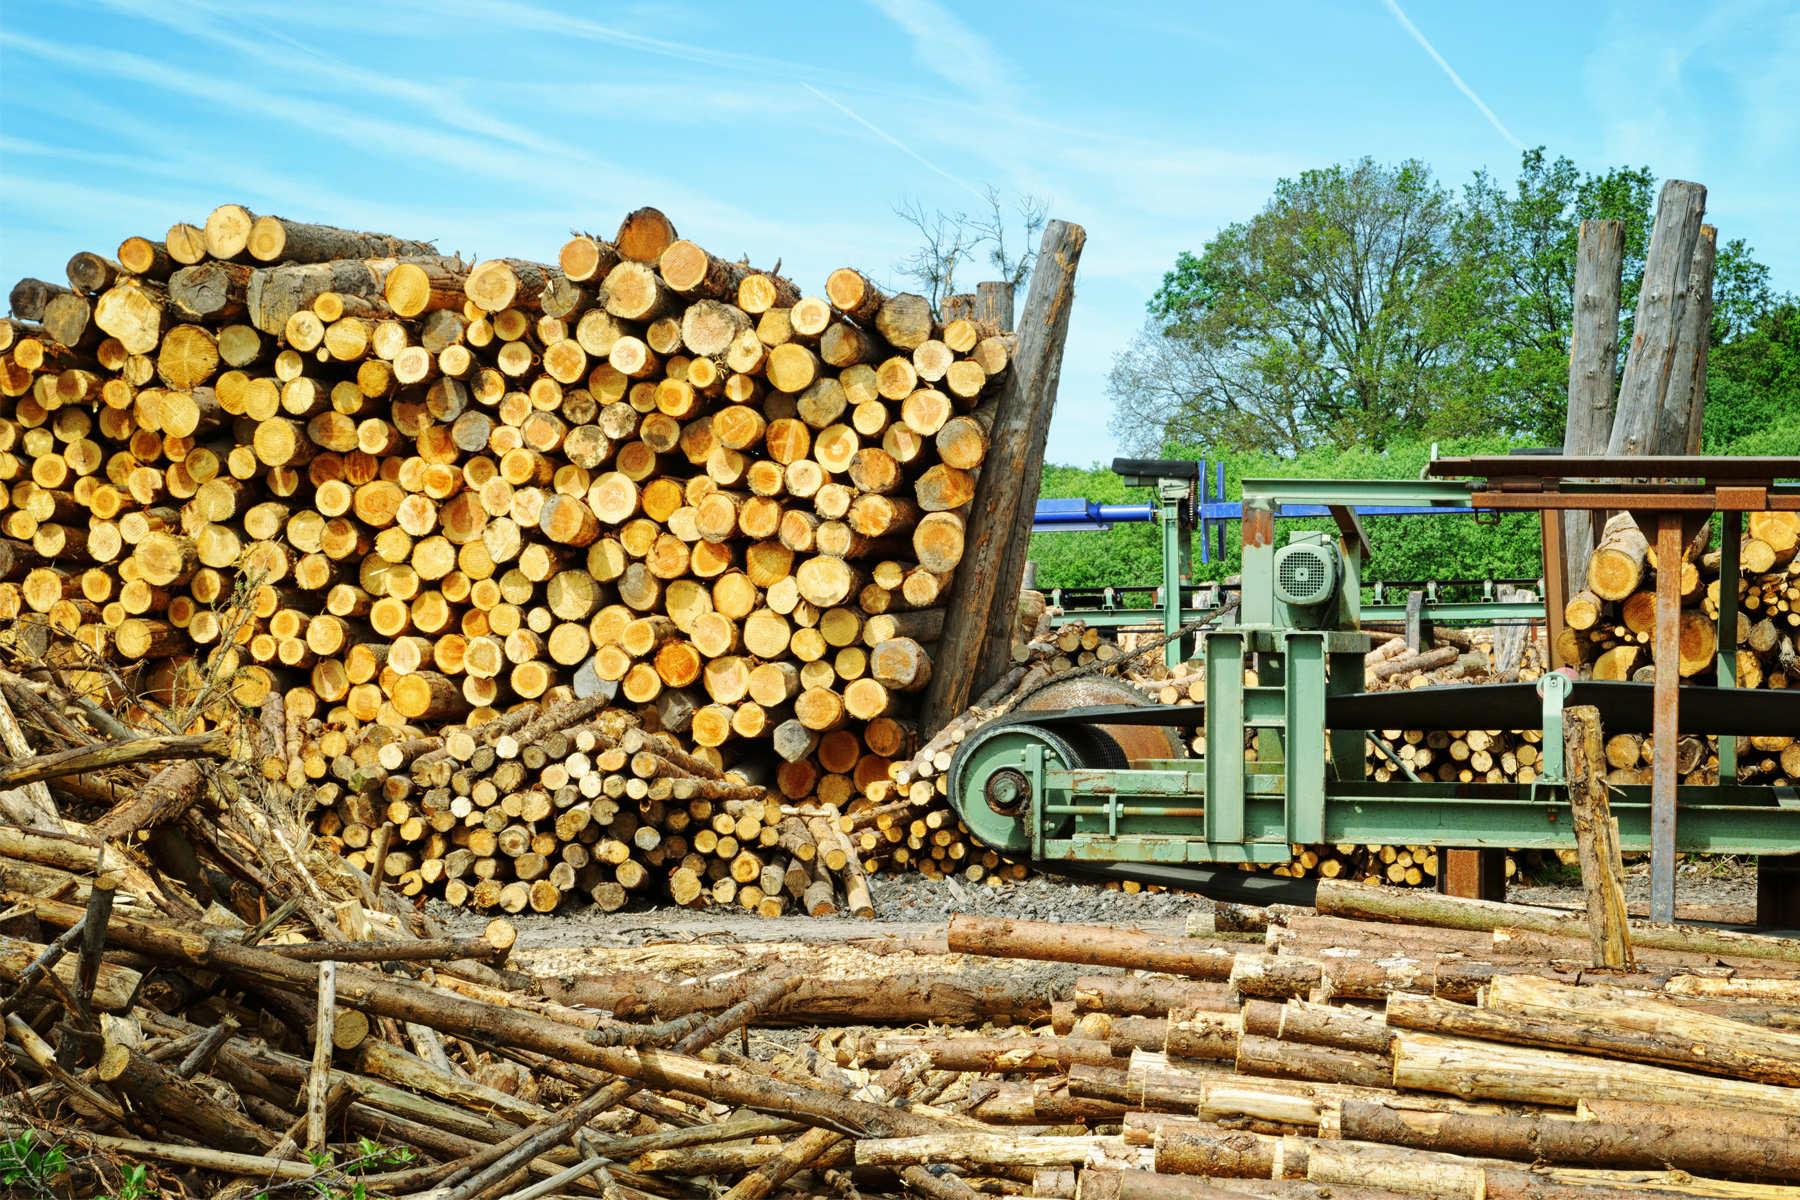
(643, 473)
(1609, 626)
(316, 1035)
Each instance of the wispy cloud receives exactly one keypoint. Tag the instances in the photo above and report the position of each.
(893, 141)
(1464, 88)
(949, 49)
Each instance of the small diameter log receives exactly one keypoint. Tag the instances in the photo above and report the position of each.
(1490, 1071)
(1597, 839)
(1097, 945)
(178, 1101)
(1531, 1137)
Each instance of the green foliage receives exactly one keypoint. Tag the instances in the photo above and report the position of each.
(1406, 548)
(29, 1167)
(1366, 306)
(1753, 387)
(1324, 317)
(135, 1184)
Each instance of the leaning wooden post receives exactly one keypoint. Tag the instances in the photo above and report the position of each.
(975, 646)
(1684, 408)
(1593, 357)
(1596, 838)
(1655, 329)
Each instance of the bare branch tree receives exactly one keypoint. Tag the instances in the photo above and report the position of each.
(946, 241)
(949, 240)
(1031, 212)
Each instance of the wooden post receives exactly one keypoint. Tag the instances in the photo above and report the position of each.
(1593, 357)
(1666, 655)
(1596, 838)
(1651, 362)
(994, 304)
(1678, 427)
(975, 646)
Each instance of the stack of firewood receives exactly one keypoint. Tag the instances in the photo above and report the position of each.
(1610, 625)
(548, 802)
(643, 473)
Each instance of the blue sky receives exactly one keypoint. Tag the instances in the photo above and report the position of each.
(790, 131)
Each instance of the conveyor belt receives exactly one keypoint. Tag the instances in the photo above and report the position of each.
(1624, 708)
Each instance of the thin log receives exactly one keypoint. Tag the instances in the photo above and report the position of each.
(1357, 900)
(318, 1083)
(83, 759)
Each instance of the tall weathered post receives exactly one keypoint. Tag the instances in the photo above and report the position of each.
(976, 643)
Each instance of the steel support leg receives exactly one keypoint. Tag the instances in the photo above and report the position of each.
(1556, 583)
(1472, 874)
(1778, 891)
(1731, 531)
(1666, 655)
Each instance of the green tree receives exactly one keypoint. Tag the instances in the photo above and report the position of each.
(1324, 319)
(1365, 304)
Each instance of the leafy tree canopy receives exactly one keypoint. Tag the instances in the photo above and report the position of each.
(1367, 304)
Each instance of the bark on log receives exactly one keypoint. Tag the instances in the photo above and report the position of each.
(975, 648)
(1096, 945)
(1680, 423)
(1531, 1137)
(1424, 908)
(1656, 327)
(1593, 359)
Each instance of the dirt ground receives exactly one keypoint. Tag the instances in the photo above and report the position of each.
(1721, 890)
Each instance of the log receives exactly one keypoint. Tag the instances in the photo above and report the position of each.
(974, 649)
(1596, 839)
(1531, 1137)
(1487, 1070)
(1681, 419)
(1593, 358)
(1616, 568)
(1096, 945)
(1345, 899)
(1656, 327)
(178, 1101)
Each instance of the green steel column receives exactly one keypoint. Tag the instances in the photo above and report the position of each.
(1171, 498)
(1305, 769)
(1731, 529)
(1258, 571)
(1224, 820)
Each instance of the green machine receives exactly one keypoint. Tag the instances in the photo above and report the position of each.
(1285, 721)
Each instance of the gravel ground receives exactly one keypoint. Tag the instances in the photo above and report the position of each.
(910, 905)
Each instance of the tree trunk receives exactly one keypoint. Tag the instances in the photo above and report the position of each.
(1593, 361)
(1680, 423)
(1656, 327)
(975, 647)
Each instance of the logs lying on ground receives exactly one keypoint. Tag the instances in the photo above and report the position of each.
(283, 1019)
(643, 473)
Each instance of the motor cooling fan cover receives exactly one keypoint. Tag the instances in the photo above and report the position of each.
(1305, 574)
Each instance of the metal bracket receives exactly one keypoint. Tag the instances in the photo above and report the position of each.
(1554, 688)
